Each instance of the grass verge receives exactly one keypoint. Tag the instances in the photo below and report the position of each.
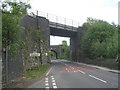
(36, 72)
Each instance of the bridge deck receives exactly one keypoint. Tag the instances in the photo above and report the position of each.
(63, 26)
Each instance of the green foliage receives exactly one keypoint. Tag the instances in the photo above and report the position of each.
(100, 41)
(10, 27)
(11, 15)
(38, 35)
(36, 72)
(15, 8)
(66, 50)
(65, 57)
(53, 55)
(118, 58)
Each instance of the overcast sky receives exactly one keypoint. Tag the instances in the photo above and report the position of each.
(78, 10)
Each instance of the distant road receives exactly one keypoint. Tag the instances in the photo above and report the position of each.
(66, 74)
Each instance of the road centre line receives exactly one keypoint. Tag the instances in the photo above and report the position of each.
(89, 75)
(98, 78)
(82, 72)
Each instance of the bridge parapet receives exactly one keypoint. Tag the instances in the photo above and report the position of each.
(56, 21)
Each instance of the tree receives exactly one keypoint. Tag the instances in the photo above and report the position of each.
(53, 55)
(11, 15)
(65, 49)
(15, 8)
(100, 40)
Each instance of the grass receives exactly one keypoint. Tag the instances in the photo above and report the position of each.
(36, 72)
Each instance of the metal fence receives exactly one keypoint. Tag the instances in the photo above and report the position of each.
(54, 18)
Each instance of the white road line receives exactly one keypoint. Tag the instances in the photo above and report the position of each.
(47, 84)
(75, 71)
(98, 78)
(46, 81)
(53, 83)
(47, 87)
(82, 72)
(48, 71)
(54, 86)
(53, 80)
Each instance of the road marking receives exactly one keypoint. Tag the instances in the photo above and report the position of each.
(55, 87)
(72, 67)
(67, 70)
(98, 78)
(47, 87)
(53, 80)
(47, 84)
(48, 71)
(46, 81)
(54, 84)
(82, 72)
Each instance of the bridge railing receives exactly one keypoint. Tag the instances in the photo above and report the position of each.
(56, 20)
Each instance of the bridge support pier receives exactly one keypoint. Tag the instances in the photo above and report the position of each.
(75, 45)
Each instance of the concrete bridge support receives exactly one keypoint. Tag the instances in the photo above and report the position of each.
(75, 45)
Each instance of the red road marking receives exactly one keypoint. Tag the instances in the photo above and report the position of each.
(76, 69)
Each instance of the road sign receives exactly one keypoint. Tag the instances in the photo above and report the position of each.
(46, 54)
(34, 54)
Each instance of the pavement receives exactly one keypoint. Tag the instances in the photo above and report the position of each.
(67, 74)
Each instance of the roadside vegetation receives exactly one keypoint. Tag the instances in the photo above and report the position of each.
(18, 42)
(100, 41)
(65, 50)
(11, 18)
(53, 55)
(36, 72)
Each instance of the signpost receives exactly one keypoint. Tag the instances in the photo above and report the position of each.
(33, 56)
